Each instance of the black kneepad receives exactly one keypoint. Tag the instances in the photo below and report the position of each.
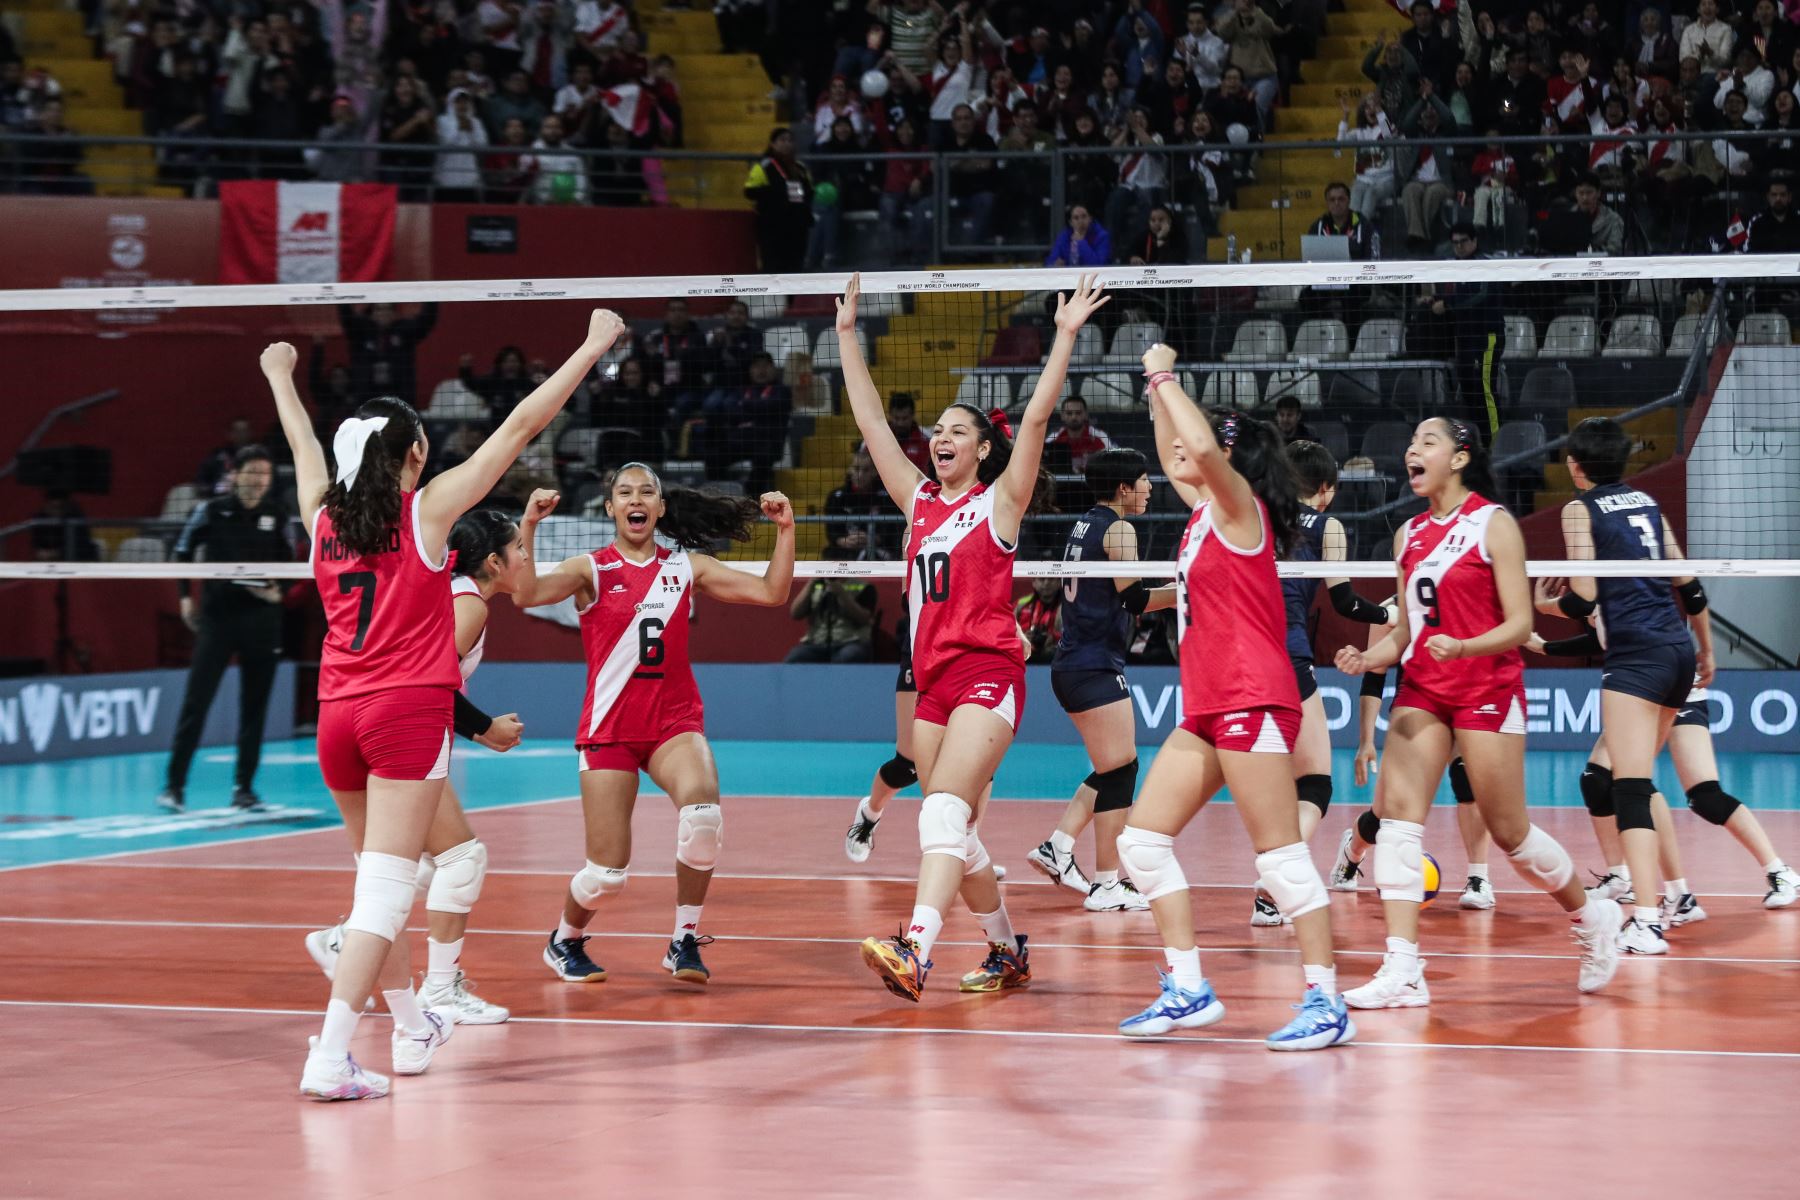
(1710, 802)
(1596, 790)
(1315, 790)
(1459, 782)
(898, 772)
(1368, 825)
(1114, 789)
(1631, 803)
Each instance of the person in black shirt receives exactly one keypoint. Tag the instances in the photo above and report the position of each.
(1475, 313)
(860, 496)
(231, 617)
(732, 345)
(677, 357)
(1776, 229)
(384, 347)
(781, 189)
(1340, 220)
(748, 422)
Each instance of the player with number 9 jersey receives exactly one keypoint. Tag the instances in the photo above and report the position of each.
(1450, 591)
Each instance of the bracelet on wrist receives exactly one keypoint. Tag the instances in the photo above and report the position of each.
(1158, 378)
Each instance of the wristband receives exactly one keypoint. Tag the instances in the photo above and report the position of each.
(1573, 605)
(1159, 378)
(1693, 597)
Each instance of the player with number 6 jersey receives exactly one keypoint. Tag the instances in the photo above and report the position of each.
(641, 711)
(1467, 611)
(966, 650)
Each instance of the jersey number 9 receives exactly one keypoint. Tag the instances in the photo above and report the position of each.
(934, 575)
(1428, 599)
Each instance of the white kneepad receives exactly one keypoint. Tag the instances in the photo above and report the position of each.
(944, 826)
(456, 884)
(699, 836)
(384, 895)
(1543, 862)
(427, 872)
(1288, 875)
(1399, 861)
(977, 855)
(594, 882)
(1149, 860)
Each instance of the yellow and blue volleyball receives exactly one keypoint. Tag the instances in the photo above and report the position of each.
(1434, 877)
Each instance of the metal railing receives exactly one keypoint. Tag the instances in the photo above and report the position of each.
(987, 204)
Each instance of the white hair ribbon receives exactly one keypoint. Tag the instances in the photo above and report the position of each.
(347, 445)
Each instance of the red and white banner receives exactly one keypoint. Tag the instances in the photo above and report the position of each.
(273, 232)
(628, 105)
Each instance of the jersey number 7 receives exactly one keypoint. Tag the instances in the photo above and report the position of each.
(363, 582)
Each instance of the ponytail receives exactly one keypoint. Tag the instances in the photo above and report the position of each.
(994, 429)
(1478, 475)
(365, 507)
(477, 536)
(1259, 455)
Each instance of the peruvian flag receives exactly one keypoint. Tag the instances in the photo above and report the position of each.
(273, 232)
(628, 104)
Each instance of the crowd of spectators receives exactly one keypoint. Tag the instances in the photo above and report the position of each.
(514, 89)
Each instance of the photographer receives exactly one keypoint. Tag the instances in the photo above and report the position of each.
(840, 617)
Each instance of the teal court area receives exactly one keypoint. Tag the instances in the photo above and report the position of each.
(93, 807)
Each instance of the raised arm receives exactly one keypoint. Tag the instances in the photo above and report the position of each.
(1183, 475)
(898, 474)
(1012, 493)
(310, 476)
(1239, 522)
(460, 488)
(571, 577)
(722, 582)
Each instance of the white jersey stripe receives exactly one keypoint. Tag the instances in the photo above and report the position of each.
(622, 661)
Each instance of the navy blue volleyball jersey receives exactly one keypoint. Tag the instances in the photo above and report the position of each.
(1634, 613)
(1095, 625)
(1298, 594)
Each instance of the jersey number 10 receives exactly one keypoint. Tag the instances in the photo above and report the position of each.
(934, 575)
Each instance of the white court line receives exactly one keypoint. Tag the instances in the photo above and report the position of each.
(932, 1030)
(1021, 879)
(107, 922)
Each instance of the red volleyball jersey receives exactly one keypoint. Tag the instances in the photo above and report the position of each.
(960, 587)
(1233, 622)
(389, 614)
(640, 682)
(1450, 589)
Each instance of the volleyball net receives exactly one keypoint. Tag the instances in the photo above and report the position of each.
(128, 404)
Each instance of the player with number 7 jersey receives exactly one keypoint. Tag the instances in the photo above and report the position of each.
(641, 711)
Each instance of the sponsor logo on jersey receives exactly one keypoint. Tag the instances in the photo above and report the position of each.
(920, 521)
(1487, 710)
(617, 587)
(609, 566)
(1237, 728)
(1236, 716)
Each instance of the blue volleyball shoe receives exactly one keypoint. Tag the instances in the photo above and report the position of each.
(1323, 1021)
(1174, 1008)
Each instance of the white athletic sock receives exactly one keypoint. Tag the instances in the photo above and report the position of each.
(1647, 916)
(442, 958)
(1774, 866)
(924, 928)
(339, 1028)
(1106, 878)
(566, 932)
(864, 812)
(1323, 978)
(687, 920)
(997, 927)
(1478, 870)
(1675, 889)
(1588, 913)
(1407, 952)
(1184, 965)
(1622, 871)
(405, 1009)
(1063, 842)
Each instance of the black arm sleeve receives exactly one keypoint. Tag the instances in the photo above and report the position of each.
(1136, 598)
(1581, 645)
(469, 721)
(1374, 683)
(1693, 597)
(1576, 606)
(1348, 604)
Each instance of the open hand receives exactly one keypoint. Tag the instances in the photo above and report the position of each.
(846, 305)
(1546, 592)
(1365, 763)
(1072, 313)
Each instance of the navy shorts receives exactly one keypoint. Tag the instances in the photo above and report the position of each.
(1660, 674)
(904, 683)
(1305, 676)
(1083, 691)
(1695, 712)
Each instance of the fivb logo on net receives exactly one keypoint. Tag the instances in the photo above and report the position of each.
(89, 714)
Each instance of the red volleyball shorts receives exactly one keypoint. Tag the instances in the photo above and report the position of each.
(1248, 730)
(630, 757)
(400, 734)
(1496, 712)
(993, 681)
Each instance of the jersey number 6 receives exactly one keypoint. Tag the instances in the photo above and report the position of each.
(650, 643)
(934, 576)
